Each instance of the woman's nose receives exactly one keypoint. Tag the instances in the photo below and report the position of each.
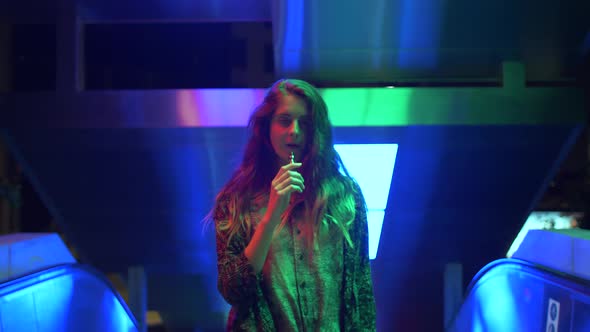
(295, 128)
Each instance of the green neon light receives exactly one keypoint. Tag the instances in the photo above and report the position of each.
(368, 107)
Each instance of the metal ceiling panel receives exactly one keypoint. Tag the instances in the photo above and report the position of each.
(397, 42)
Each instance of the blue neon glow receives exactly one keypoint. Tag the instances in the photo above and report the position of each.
(420, 30)
(63, 300)
(372, 166)
(293, 36)
(29, 307)
(477, 325)
(180, 167)
(375, 220)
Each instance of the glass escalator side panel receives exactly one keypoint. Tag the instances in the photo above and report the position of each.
(63, 300)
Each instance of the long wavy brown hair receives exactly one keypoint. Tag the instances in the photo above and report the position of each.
(329, 193)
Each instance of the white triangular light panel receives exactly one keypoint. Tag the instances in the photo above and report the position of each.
(372, 166)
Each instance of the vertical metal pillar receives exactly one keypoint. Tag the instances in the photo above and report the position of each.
(138, 295)
(69, 69)
(453, 291)
(5, 55)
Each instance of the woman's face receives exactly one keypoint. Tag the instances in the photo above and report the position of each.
(288, 129)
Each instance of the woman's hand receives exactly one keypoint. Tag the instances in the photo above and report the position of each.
(287, 181)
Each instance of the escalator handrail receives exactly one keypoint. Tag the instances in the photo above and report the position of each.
(527, 265)
(23, 281)
(575, 282)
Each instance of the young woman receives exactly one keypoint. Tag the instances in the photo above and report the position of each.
(291, 225)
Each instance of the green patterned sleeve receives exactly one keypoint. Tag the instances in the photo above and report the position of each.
(236, 280)
(364, 283)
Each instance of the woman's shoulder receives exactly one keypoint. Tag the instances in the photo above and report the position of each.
(226, 201)
(349, 183)
(355, 189)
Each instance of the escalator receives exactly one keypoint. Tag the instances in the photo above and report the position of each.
(515, 295)
(68, 297)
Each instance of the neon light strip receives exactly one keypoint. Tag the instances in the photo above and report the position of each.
(371, 165)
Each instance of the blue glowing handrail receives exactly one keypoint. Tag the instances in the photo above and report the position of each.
(21, 282)
(547, 272)
(567, 280)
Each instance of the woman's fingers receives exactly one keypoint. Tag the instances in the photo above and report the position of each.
(288, 175)
(290, 189)
(291, 181)
(288, 180)
(290, 166)
(286, 168)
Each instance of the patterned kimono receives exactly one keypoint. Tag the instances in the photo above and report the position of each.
(254, 303)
